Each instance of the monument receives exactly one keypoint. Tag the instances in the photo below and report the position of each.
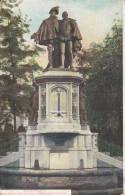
(59, 137)
(58, 149)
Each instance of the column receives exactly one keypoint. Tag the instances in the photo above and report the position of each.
(39, 111)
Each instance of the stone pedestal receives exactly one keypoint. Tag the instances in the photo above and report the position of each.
(59, 141)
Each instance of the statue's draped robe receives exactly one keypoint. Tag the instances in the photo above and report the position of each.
(69, 32)
(76, 35)
(48, 31)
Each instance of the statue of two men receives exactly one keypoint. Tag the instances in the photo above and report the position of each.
(61, 37)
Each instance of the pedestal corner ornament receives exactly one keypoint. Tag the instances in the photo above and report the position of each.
(60, 137)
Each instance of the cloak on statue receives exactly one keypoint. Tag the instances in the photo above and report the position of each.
(48, 31)
(76, 35)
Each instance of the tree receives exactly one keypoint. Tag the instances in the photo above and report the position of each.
(17, 59)
(104, 85)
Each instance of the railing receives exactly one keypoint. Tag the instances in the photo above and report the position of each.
(9, 145)
(112, 149)
(110, 160)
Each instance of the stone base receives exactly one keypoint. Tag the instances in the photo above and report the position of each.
(59, 141)
(79, 182)
(58, 150)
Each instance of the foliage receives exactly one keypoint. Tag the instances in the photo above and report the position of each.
(112, 149)
(104, 85)
(9, 140)
(17, 60)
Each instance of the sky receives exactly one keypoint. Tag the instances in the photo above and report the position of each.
(94, 17)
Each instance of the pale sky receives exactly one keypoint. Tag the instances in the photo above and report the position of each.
(94, 17)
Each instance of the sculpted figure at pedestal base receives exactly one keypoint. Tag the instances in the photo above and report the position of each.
(33, 116)
(82, 109)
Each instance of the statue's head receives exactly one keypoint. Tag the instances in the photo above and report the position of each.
(65, 15)
(54, 11)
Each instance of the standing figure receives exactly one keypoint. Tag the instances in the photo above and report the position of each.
(82, 103)
(33, 116)
(47, 35)
(68, 34)
(33, 112)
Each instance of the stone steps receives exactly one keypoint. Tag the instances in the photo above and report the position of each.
(75, 180)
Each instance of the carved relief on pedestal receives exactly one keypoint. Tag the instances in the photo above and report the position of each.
(74, 102)
(58, 102)
(33, 115)
(43, 101)
(82, 103)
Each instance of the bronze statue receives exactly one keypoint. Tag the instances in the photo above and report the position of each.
(68, 34)
(60, 37)
(47, 35)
